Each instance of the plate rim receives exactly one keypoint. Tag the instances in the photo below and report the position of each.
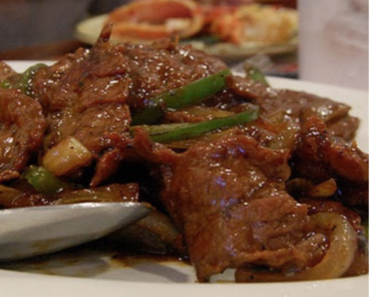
(16, 283)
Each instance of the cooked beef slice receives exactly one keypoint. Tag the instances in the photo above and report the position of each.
(319, 157)
(228, 198)
(297, 106)
(22, 128)
(90, 94)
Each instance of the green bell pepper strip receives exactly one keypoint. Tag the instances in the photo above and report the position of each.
(255, 74)
(193, 130)
(4, 84)
(205, 39)
(44, 181)
(22, 81)
(191, 94)
(24, 84)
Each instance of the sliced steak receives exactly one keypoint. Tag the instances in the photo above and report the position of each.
(90, 94)
(319, 157)
(228, 198)
(22, 128)
(297, 106)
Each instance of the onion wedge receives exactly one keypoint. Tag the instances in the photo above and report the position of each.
(67, 156)
(335, 263)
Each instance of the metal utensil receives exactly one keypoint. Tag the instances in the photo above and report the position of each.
(31, 231)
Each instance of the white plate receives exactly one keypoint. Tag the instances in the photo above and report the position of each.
(88, 31)
(94, 274)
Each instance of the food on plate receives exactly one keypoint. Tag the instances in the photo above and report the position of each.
(190, 20)
(267, 182)
(256, 23)
(147, 20)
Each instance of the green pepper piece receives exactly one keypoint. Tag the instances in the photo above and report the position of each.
(256, 74)
(24, 84)
(193, 130)
(4, 84)
(205, 39)
(44, 181)
(22, 81)
(191, 94)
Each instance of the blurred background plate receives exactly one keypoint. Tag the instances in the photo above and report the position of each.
(88, 30)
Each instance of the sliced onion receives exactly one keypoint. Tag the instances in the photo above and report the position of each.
(337, 260)
(67, 156)
(325, 189)
(343, 245)
(299, 187)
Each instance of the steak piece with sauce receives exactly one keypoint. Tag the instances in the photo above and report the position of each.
(297, 106)
(228, 199)
(226, 195)
(90, 94)
(319, 157)
(22, 128)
